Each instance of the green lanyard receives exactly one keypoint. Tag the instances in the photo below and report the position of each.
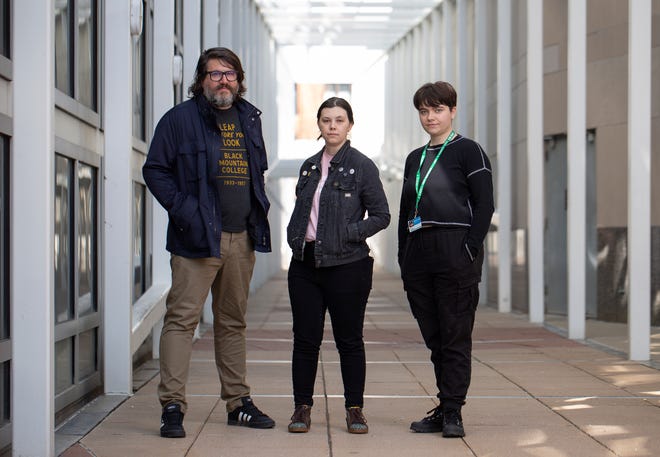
(419, 187)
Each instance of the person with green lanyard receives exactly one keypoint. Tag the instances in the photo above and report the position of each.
(445, 213)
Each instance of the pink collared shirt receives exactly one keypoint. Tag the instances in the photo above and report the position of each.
(310, 234)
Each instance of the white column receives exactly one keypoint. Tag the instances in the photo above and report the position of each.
(226, 23)
(639, 177)
(426, 54)
(252, 51)
(259, 96)
(416, 67)
(481, 104)
(449, 61)
(414, 132)
(163, 100)
(577, 167)
(32, 230)
(401, 124)
(191, 52)
(504, 206)
(191, 38)
(117, 302)
(387, 117)
(481, 71)
(436, 37)
(211, 23)
(409, 133)
(240, 25)
(535, 159)
(462, 88)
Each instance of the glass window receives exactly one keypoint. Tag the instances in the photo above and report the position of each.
(308, 97)
(63, 48)
(76, 228)
(178, 21)
(178, 46)
(76, 38)
(4, 237)
(87, 53)
(139, 87)
(63, 365)
(86, 239)
(139, 227)
(88, 359)
(5, 389)
(63, 239)
(5, 329)
(5, 28)
(141, 54)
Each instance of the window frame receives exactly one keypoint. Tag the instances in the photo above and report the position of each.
(6, 66)
(77, 325)
(71, 103)
(6, 131)
(147, 245)
(141, 142)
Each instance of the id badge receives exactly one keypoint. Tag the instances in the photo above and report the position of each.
(414, 224)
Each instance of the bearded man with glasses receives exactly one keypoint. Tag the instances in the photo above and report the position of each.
(206, 166)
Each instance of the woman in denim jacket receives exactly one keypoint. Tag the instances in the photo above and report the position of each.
(331, 268)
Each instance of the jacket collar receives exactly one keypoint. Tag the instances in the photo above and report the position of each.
(338, 157)
(245, 109)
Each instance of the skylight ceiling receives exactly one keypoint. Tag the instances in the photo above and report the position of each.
(375, 24)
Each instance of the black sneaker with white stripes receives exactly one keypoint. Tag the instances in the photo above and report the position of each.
(249, 415)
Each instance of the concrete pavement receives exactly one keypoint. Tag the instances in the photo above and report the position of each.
(533, 393)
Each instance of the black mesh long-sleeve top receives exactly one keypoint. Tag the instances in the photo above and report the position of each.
(458, 192)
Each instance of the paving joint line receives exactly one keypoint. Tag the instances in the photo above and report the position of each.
(202, 428)
(469, 397)
(327, 406)
(548, 407)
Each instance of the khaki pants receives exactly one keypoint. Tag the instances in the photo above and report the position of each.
(228, 278)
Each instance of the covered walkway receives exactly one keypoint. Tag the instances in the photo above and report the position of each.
(562, 95)
(534, 393)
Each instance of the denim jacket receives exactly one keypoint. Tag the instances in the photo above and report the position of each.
(352, 189)
(176, 173)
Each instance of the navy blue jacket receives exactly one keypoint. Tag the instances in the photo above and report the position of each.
(352, 189)
(176, 172)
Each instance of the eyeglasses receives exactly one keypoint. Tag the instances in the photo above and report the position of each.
(231, 75)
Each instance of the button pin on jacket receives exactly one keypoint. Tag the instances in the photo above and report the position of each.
(351, 171)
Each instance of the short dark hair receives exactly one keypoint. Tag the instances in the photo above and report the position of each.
(435, 94)
(226, 56)
(333, 102)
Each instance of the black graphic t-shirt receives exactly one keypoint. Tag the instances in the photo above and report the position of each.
(231, 173)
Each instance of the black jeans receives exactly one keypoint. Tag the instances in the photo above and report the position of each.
(442, 286)
(343, 291)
